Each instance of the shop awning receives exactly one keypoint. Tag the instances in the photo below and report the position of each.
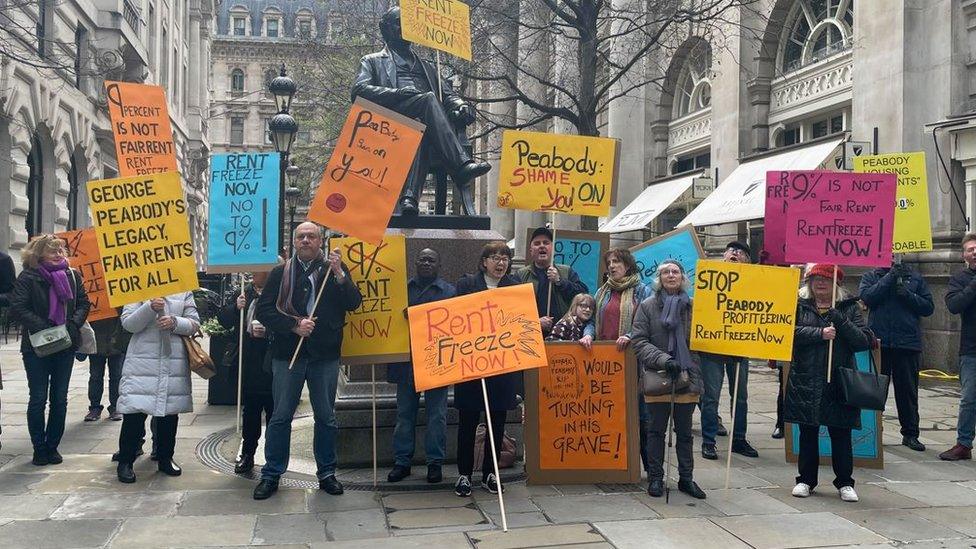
(742, 195)
(650, 203)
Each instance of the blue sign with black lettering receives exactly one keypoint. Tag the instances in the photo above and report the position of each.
(681, 245)
(584, 256)
(244, 195)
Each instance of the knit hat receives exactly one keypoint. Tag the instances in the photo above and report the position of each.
(674, 262)
(825, 270)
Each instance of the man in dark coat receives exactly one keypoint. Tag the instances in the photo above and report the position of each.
(898, 298)
(542, 272)
(426, 287)
(961, 300)
(396, 78)
(288, 309)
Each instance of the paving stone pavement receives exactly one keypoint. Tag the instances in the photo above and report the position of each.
(917, 501)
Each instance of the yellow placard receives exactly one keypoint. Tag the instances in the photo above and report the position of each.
(475, 336)
(443, 25)
(377, 332)
(744, 310)
(558, 173)
(913, 220)
(143, 237)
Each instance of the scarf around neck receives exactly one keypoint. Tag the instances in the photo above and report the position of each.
(59, 293)
(673, 305)
(285, 294)
(625, 287)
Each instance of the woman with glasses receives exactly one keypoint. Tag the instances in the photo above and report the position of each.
(48, 293)
(494, 268)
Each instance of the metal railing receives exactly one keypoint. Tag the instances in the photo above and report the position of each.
(131, 15)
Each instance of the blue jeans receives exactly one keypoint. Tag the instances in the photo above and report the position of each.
(322, 377)
(47, 377)
(966, 427)
(713, 374)
(404, 434)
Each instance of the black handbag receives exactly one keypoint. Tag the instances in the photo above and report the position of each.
(656, 383)
(864, 390)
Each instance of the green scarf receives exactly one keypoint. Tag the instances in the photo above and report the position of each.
(626, 289)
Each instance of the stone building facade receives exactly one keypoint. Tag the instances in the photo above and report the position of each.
(787, 73)
(55, 134)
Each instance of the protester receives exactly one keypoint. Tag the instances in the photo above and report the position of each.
(714, 369)
(662, 329)
(111, 342)
(256, 381)
(898, 298)
(570, 327)
(48, 293)
(543, 273)
(286, 309)
(155, 378)
(494, 267)
(617, 301)
(425, 287)
(960, 300)
(7, 277)
(810, 401)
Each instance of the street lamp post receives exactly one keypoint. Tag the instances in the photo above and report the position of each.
(292, 196)
(283, 129)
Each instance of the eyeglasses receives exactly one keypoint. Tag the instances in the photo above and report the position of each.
(499, 258)
(590, 307)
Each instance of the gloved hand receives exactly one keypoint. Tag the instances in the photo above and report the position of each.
(672, 368)
(836, 317)
(901, 269)
(900, 289)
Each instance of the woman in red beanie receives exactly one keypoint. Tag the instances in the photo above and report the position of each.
(810, 401)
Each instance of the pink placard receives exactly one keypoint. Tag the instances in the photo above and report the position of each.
(782, 189)
(842, 218)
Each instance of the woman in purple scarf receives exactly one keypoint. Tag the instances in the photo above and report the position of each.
(48, 293)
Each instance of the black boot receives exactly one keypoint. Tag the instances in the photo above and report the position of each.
(265, 489)
(689, 487)
(655, 488)
(125, 473)
(245, 465)
(169, 467)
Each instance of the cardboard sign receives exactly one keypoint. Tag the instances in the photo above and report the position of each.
(444, 25)
(140, 124)
(475, 336)
(83, 255)
(366, 172)
(580, 416)
(143, 237)
(558, 173)
(680, 244)
(243, 233)
(583, 251)
(744, 310)
(866, 441)
(913, 220)
(377, 332)
(844, 219)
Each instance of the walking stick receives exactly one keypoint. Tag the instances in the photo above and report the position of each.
(240, 358)
(494, 456)
(667, 452)
(735, 401)
(552, 260)
(318, 296)
(830, 345)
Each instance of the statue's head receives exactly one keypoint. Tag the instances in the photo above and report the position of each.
(390, 29)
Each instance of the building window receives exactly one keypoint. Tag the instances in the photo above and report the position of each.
(35, 188)
(81, 56)
(74, 205)
(42, 28)
(240, 26)
(271, 28)
(790, 136)
(827, 126)
(303, 136)
(237, 81)
(815, 30)
(336, 26)
(151, 29)
(237, 130)
(693, 91)
(304, 28)
(164, 61)
(691, 163)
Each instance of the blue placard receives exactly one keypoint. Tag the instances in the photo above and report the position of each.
(244, 194)
(584, 256)
(680, 244)
(866, 440)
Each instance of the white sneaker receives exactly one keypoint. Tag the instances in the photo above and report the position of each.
(847, 493)
(802, 490)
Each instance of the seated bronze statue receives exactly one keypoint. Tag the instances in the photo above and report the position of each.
(397, 79)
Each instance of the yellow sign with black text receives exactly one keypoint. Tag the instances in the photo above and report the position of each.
(913, 220)
(143, 236)
(744, 310)
(443, 25)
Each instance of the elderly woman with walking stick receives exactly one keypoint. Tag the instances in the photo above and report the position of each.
(661, 333)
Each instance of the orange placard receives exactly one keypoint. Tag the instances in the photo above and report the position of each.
(83, 255)
(140, 124)
(582, 408)
(475, 336)
(366, 172)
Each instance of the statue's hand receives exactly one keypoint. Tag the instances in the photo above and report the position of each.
(464, 114)
(408, 91)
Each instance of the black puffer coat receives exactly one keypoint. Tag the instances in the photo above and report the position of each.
(809, 399)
